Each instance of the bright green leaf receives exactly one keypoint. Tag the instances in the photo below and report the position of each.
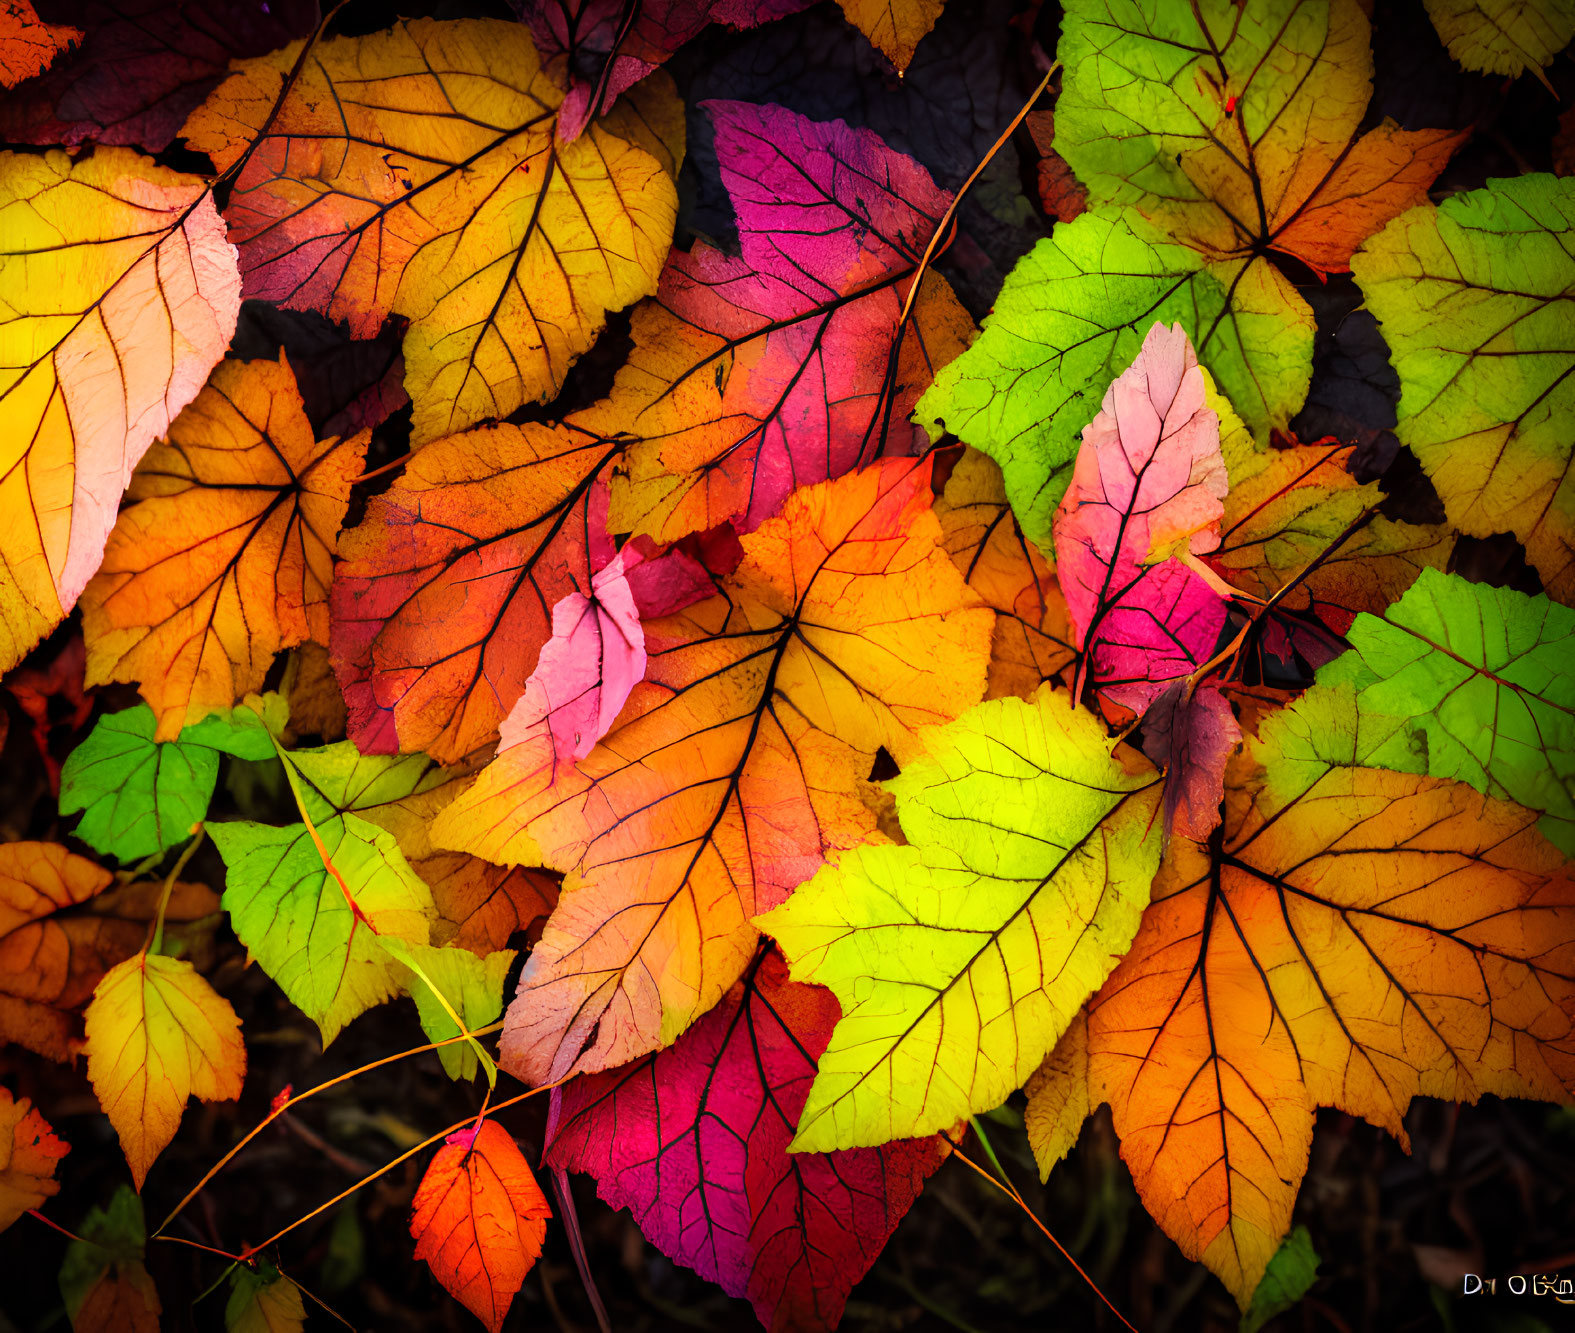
(315, 932)
(960, 958)
(1476, 299)
(1287, 1279)
(472, 987)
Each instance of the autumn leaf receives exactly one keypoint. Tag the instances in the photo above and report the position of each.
(1196, 170)
(224, 555)
(64, 923)
(27, 44)
(444, 599)
(603, 49)
(1502, 36)
(1472, 298)
(960, 958)
(1353, 938)
(139, 795)
(263, 1300)
(479, 1219)
(1461, 680)
(142, 66)
(453, 978)
(1059, 192)
(736, 765)
(103, 1280)
(780, 367)
(158, 1033)
(894, 27)
(314, 928)
(121, 292)
(415, 172)
(479, 905)
(693, 1141)
(29, 1154)
(1033, 639)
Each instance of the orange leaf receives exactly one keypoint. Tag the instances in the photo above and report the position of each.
(27, 44)
(63, 924)
(1356, 938)
(120, 294)
(158, 1033)
(29, 1152)
(225, 554)
(479, 1219)
(738, 763)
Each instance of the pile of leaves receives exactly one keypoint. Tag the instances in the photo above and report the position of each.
(511, 508)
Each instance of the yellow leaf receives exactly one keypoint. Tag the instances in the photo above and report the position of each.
(415, 172)
(158, 1033)
(894, 27)
(120, 293)
(225, 556)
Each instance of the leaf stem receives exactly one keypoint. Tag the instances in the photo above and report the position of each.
(187, 853)
(55, 1226)
(287, 1104)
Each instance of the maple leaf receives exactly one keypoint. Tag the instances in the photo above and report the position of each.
(142, 66)
(263, 1300)
(735, 766)
(1265, 163)
(139, 795)
(121, 293)
(1352, 938)
(1033, 640)
(1504, 37)
(158, 1033)
(29, 1154)
(313, 920)
(103, 1279)
(443, 601)
(415, 172)
(895, 27)
(1485, 361)
(64, 923)
(779, 367)
(224, 554)
(960, 958)
(27, 44)
(479, 1219)
(603, 48)
(693, 1141)
(1461, 680)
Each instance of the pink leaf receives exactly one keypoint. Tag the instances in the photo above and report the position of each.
(693, 1141)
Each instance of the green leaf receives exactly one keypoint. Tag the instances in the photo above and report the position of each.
(315, 932)
(960, 958)
(1070, 318)
(1458, 680)
(263, 1300)
(1287, 1279)
(1476, 299)
(111, 1242)
(470, 987)
(139, 796)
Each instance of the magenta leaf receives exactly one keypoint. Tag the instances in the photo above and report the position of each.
(780, 367)
(693, 1141)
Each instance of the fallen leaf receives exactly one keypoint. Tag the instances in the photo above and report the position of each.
(121, 292)
(960, 958)
(384, 186)
(27, 44)
(443, 601)
(735, 767)
(1354, 939)
(479, 1219)
(157, 1034)
(224, 555)
(103, 1280)
(1470, 297)
(29, 1154)
(779, 367)
(693, 1141)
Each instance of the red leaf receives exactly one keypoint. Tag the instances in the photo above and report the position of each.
(693, 1141)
